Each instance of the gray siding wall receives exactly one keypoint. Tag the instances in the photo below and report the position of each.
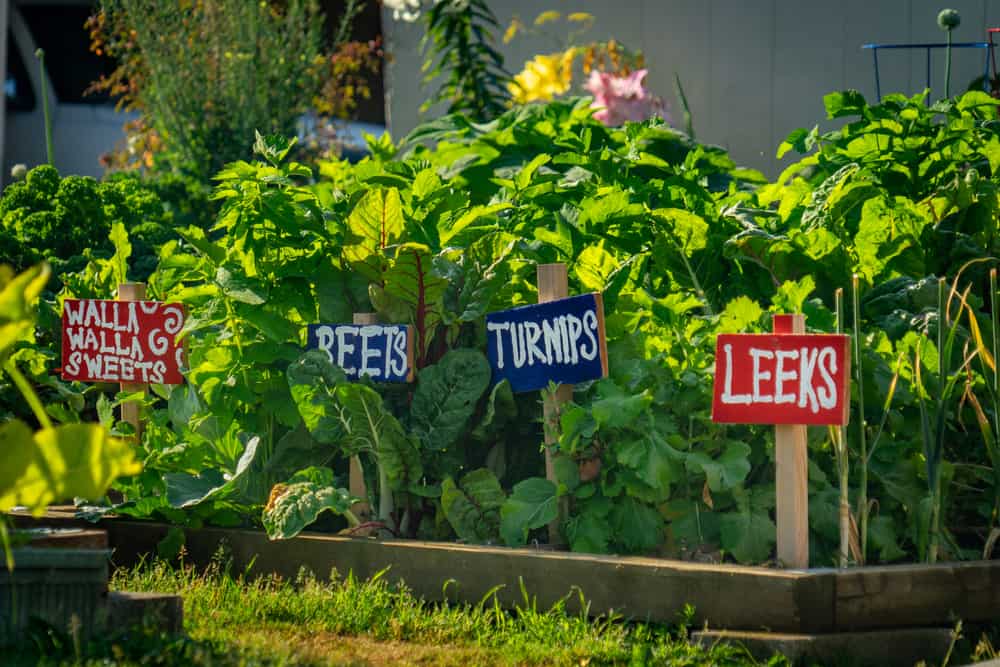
(752, 70)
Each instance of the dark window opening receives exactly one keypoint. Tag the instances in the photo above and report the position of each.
(71, 65)
(19, 94)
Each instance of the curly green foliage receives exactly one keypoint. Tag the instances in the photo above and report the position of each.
(67, 220)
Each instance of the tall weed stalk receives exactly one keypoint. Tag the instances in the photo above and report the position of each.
(859, 379)
(839, 437)
(934, 411)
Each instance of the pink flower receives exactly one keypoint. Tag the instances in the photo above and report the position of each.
(621, 98)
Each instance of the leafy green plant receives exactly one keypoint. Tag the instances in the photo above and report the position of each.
(55, 462)
(459, 46)
(207, 75)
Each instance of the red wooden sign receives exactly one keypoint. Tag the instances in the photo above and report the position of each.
(121, 341)
(781, 379)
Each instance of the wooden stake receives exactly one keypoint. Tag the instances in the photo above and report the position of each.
(130, 409)
(356, 475)
(792, 475)
(553, 284)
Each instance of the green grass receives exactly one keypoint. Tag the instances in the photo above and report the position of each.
(231, 620)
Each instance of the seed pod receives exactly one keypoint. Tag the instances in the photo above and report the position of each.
(948, 19)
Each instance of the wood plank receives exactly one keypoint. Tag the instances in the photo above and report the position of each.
(130, 409)
(356, 475)
(553, 284)
(791, 474)
(901, 595)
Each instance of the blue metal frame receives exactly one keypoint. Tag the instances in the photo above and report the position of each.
(875, 48)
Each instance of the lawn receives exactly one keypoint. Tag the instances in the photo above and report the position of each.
(231, 619)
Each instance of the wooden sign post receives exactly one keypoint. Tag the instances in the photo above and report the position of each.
(789, 379)
(553, 284)
(560, 340)
(130, 409)
(356, 474)
(128, 340)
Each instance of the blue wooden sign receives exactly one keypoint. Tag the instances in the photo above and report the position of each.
(379, 351)
(560, 341)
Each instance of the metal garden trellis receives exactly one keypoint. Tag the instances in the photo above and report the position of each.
(986, 46)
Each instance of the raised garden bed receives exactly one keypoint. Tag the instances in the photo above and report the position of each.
(724, 596)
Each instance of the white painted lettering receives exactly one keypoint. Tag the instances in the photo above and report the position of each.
(590, 331)
(827, 367)
(760, 375)
(367, 333)
(781, 375)
(727, 386)
(498, 327)
(807, 367)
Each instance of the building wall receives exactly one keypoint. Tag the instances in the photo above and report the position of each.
(752, 70)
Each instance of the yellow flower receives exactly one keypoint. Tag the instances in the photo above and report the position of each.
(543, 77)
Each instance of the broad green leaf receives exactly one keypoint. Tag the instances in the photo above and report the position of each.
(637, 526)
(792, 295)
(653, 461)
(240, 288)
(368, 426)
(67, 461)
(532, 504)
(725, 472)
(527, 173)
(312, 379)
(473, 506)
(594, 267)
(590, 530)
(411, 279)
(123, 250)
(887, 229)
(844, 103)
(18, 295)
(17, 444)
(748, 536)
(195, 236)
(882, 533)
(446, 397)
(294, 506)
(270, 320)
(448, 229)
(500, 409)
(375, 223)
(740, 314)
(620, 410)
(689, 230)
(186, 490)
(991, 149)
